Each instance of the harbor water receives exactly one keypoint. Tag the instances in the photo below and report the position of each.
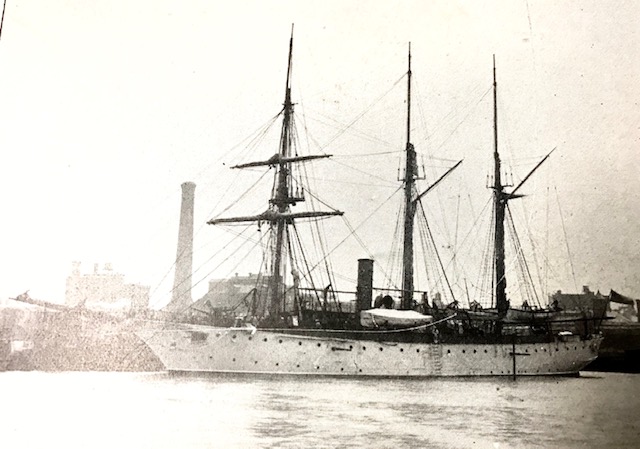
(158, 410)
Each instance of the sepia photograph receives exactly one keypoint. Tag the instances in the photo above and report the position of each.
(337, 224)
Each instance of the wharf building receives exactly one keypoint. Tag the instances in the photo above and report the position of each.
(104, 288)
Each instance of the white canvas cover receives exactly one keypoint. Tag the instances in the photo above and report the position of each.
(393, 318)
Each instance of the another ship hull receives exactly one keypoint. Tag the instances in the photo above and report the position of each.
(259, 351)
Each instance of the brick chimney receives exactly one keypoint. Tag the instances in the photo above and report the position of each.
(181, 294)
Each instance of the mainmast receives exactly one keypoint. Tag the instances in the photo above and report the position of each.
(279, 214)
(409, 205)
(411, 200)
(499, 205)
(500, 199)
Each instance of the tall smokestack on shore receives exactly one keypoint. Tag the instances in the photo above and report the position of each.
(181, 294)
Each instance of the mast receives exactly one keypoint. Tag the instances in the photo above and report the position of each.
(281, 198)
(499, 205)
(500, 200)
(409, 206)
(4, 7)
(279, 214)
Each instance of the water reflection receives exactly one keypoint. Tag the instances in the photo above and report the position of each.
(440, 413)
(129, 410)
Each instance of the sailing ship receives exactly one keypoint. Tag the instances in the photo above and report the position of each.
(301, 334)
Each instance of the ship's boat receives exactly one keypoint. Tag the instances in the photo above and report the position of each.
(295, 330)
(375, 318)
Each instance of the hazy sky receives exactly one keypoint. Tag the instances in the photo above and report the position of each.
(106, 107)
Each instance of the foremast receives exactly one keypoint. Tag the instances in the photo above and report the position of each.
(281, 200)
(279, 214)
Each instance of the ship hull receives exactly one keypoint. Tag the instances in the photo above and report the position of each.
(268, 351)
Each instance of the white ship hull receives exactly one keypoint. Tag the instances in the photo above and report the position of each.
(258, 351)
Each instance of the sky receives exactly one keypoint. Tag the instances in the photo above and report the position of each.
(106, 107)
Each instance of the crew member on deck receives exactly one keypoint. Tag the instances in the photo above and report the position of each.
(387, 302)
(424, 306)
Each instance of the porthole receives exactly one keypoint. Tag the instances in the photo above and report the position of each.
(485, 351)
(277, 364)
(279, 341)
(234, 359)
(255, 362)
(417, 350)
(297, 366)
(448, 351)
(341, 369)
(264, 339)
(319, 345)
(474, 351)
(233, 336)
(250, 338)
(464, 351)
(380, 349)
(401, 349)
(364, 348)
(299, 343)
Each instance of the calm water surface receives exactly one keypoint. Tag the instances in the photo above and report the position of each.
(155, 410)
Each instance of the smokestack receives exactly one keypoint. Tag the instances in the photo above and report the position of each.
(181, 294)
(364, 290)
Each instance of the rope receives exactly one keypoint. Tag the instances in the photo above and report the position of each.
(524, 266)
(435, 249)
(566, 240)
(253, 329)
(361, 223)
(363, 172)
(222, 262)
(464, 118)
(359, 116)
(253, 140)
(360, 134)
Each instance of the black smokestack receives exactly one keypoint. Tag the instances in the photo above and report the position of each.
(364, 291)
